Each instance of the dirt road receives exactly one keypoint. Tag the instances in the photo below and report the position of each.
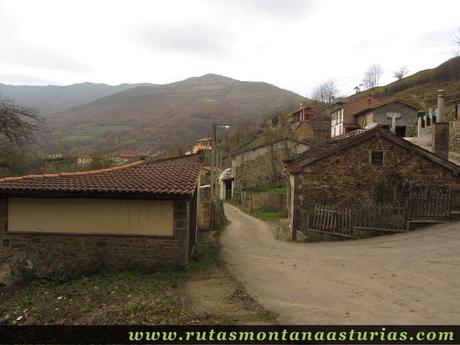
(411, 278)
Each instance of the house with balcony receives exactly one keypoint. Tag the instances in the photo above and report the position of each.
(304, 113)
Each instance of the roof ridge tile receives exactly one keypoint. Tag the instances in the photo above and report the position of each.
(72, 173)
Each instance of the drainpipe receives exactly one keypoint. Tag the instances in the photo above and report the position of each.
(440, 132)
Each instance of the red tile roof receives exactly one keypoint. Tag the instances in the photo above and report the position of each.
(138, 178)
(386, 102)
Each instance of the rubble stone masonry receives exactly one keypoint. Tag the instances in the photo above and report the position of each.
(263, 166)
(339, 176)
(454, 136)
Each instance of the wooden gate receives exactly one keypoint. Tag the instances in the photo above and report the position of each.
(428, 202)
(327, 218)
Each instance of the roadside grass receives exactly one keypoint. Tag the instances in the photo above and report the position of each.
(206, 254)
(267, 215)
(130, 295)
(263, 214)
(270, 189)
(106, 297)
(276, 190)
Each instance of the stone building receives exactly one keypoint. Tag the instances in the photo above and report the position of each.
(140, 213)
(352, 167)
(262, 166)
(307, 126)
(314, 131)
(395, 114)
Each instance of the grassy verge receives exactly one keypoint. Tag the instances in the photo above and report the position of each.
(102, 298)
(128, 296)
(267, 215)
(270, 189)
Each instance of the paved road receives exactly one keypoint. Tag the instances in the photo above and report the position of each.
(411, 278)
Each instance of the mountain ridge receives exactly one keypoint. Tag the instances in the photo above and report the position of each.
(49, 99)
(154, 116)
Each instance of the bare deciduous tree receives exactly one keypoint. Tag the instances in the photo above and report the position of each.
(372, 76)
(401, 73)
(19, 127)
(325, 92)
(19, 124)
(456, 37)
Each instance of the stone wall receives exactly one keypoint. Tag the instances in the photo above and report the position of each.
(312, 130)
(49, 252)
(204, 209)
(408, 117)
(350, 173)
(454, 135)
(263, 166)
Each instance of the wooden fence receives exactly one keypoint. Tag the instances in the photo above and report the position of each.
(413, 203)
(326, 218)
(382, 217)
(455, 197)
(265, 201)
(379, 217)
(435, 209)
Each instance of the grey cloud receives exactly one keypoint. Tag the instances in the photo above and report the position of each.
(19, 79)
(34, 55)
(437, 38)
(192, 38)
(19, 51)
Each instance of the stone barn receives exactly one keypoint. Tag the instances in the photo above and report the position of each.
(140, 213)
(348, 169)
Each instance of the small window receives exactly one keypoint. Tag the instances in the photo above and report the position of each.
(377, 157)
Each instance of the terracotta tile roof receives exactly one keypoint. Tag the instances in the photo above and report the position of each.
(139, 178)
(386, 102)
(360, 104)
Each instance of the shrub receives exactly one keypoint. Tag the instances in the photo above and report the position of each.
(24, 273)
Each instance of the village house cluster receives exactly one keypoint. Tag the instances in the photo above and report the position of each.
(334, 174)
(366, 146)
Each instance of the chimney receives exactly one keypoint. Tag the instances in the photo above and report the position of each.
(440, 131)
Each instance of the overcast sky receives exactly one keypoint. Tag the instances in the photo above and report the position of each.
(294, 44)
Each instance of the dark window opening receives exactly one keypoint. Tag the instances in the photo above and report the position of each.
(400, 131)
(377, 157)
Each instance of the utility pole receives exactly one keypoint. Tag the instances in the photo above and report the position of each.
(211, 189)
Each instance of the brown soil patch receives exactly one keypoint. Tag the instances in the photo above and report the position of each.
(215, 296)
